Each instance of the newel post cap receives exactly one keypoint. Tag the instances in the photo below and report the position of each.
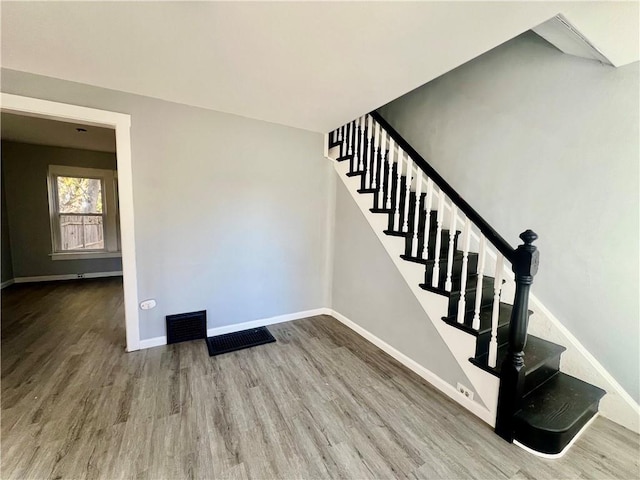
(528, 237)
(527, 256)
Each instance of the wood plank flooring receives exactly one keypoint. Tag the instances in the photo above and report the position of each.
(320, 403)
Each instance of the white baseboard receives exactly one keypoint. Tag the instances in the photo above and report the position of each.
(70, 276)
(153, 342)
(263, 322)
(237, 327)
(6, 283)
(449, 390)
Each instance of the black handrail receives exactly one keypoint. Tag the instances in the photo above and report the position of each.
(491, 235)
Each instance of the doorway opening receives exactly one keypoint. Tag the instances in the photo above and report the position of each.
(90, 227)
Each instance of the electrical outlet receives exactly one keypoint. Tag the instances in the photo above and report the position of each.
(148, 304)
(465, 391)
(80, 275)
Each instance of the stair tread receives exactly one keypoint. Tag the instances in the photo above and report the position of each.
(444, 257)
(558, 403)
(536, 352)
(457, 254)
(487, 283)
(504, 315)
(472, 283)
(396, 233)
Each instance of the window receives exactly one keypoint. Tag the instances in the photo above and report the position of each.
(83, 209)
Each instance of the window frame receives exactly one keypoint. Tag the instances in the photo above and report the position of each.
(109, 212)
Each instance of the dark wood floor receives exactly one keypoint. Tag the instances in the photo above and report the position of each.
(320, 403)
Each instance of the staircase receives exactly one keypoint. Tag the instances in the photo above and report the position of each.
(464, 262)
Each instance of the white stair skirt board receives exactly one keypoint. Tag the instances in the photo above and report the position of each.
(461, 344)
(449, 390)
(237, 327)
(70, 276)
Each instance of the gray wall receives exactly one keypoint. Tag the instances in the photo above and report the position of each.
(25, 169)
(230, 213)
(369, 290)
(7, 262)
(532, 138)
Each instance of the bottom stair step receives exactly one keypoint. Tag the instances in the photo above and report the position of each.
(555, 412)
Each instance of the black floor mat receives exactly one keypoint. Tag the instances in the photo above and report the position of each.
(230, 342)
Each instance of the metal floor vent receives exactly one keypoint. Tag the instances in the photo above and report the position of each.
(186, 326)
(230, 342)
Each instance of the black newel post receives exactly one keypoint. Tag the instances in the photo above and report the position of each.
(525, 266)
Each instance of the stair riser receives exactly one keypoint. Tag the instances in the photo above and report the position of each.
(472, 266)
(482, 345)
(422, 227)
(410, 216)
(541, 374)
(383, 177)
(379, 172)
(444, 246)
(382, 181)
(470, 299)
(393, 224)
(412, 209)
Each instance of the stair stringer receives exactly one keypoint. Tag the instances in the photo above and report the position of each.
(460, 344)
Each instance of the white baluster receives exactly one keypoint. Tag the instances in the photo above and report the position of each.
(343, 140)
(396, 216)
(466, 239)
(385, 166)
(436, 266)
(383, 143)
(349, 142)
(340, 134)
(367, 176)
(376, 139)
(448, 285)
(481, 261)
(405, 224)
(427, 220)
(354, 160)
(387, 204)
(383, 155)
(497, 286)
(362, 125)
(416, 217)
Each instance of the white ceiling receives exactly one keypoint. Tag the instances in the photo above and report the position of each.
(40, 131)
(311, 65)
